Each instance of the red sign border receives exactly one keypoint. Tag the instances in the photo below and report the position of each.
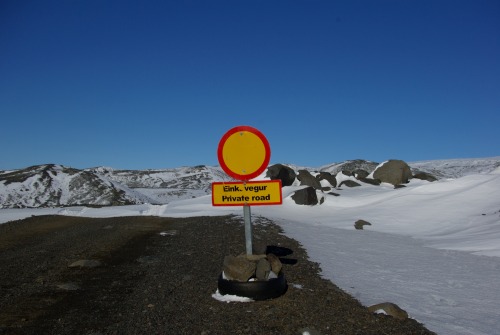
(249, 182)
(233, 174)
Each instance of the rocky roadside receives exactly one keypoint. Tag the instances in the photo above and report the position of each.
(150, 275)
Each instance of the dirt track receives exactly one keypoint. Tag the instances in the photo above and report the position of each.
(153, 283)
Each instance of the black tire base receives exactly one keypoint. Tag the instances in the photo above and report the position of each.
(256, 290)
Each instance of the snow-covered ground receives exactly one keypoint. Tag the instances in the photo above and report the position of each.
(432, 248)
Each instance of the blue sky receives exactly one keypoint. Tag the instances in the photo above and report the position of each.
(156, 84)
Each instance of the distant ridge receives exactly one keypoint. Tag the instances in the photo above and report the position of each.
(53, 185)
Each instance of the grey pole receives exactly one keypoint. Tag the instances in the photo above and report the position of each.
(248, 228)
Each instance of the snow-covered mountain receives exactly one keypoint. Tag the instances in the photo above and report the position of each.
(53, 185)
(448, 168)
(456, 168)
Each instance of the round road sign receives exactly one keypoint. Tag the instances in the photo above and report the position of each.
(244, 152)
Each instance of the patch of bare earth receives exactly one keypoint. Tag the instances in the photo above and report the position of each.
(153, 275)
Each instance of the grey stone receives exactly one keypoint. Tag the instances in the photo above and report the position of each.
(328, 177)
(238, 268)
(360, 173)
(281, 172)
(254, 257)
(349, 183)
(262, 270)
(424, 176)
(275, 262)
(305, 196)
(371, 181)
(360, 223)
(394, 172)
(306, 178)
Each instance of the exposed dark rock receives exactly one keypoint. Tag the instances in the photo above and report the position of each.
(360, 173)
(371, 181)
(394, 172)
(347, 173)
(360, 223)
(305, 196)
(328, 177)
(306, 178)
(424, 176)
(349, 183)
(282, 172)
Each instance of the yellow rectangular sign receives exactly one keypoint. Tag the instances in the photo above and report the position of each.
(267, 192)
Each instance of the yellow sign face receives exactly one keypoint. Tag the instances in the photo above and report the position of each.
(266, 192)
(243, 152)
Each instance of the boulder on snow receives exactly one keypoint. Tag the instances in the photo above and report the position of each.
(394, 172)
(370, 181)
(424, 176)
(306, 196)
(360, 173)
(360, 223)
(282, 172)
(306, 178)
(328, 177)
(349, 183)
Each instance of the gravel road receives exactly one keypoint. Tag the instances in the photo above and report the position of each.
(153, 275)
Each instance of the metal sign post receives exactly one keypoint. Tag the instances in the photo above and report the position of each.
(248, 229)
